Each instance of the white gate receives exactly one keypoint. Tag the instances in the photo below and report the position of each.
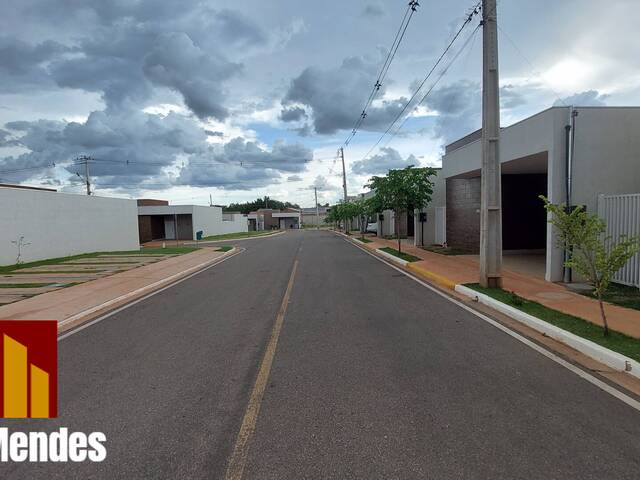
(622, 215)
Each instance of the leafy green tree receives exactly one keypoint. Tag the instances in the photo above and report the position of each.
(401, 190)
(264, 202)
(594, 255)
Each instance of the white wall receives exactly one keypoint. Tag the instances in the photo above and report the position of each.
(210, 221)
(59, 224)
(438, 199)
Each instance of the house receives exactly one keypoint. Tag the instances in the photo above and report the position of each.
(37, 224)
(160, 221)
(311, 217)
(571, 155)
(270, 219)
(288, 218)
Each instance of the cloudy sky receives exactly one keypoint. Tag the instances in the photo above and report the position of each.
(235, 99)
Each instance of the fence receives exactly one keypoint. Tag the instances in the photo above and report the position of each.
(622, 215)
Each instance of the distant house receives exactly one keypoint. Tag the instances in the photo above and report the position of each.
(269, 219)
(160, 221)
(37, 224)
(308, 216)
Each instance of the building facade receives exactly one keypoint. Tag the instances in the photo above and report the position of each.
(537, 159)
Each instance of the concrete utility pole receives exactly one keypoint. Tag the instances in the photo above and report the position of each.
(315, 191)
(491, 201)
(344, 175)
(84, 160)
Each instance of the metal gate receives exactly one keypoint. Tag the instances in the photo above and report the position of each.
(622, 216)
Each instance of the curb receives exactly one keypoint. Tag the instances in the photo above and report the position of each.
(432, 277)
(393, 258)
(105, 307)
(237, 239)
(603, 355)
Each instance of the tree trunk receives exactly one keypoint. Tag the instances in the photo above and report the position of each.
(602, 314)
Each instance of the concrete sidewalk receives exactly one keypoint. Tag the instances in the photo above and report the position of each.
(450, 270)
(77, 304)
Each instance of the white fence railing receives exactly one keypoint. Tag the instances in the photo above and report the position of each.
(622, 215)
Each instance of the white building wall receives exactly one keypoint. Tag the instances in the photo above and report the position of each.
(606, 158)
(438, 199)
(607, 154)
(238, 223)
(58, 224)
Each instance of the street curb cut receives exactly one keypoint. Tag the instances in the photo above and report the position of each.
(433, 277)
(105, 307)
(603, 355)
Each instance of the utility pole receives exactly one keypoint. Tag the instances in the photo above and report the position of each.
(210, 200)
(490, 201)
(344, 175)
(315, 191)
(84, 160)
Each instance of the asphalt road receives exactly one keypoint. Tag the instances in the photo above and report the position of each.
(374, 376)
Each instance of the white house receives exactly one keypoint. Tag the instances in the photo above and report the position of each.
(537, 158)
(37, 224)
(162, 221)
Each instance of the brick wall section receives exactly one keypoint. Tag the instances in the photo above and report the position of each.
(463, 217)
(144, 228)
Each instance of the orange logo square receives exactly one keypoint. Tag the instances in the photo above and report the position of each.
(29, 368)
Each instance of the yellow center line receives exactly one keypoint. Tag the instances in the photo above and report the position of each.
(238, 458)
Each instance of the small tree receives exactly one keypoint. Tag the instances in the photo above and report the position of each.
(594, 255)
(403, 189)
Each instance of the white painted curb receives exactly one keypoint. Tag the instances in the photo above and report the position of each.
(393, 258)
(603, 355)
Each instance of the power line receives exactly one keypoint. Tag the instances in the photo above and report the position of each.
(531, 66)
(435, 83)
(408, 14)
(475, 11)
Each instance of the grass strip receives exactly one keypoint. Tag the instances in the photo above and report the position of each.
(622, 295)
(59, 260)
(445, 250)
(224, 248)
(404, 256)
(616, 341)
(24, 285)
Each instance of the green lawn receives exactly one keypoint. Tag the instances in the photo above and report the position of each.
(227, 236)
(622, 295)
(402, 255)
(224, 248)
(23, 285)
(364, 240)
(56, 261)
(616, 341)
(445, 250)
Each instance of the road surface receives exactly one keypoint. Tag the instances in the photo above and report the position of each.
(374, 376)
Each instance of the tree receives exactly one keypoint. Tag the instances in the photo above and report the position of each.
(264, 202)
(594, 255)
(402, 189)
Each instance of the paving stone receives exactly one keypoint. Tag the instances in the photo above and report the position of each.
(75, 268)
(5, 299)
(30, 291)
